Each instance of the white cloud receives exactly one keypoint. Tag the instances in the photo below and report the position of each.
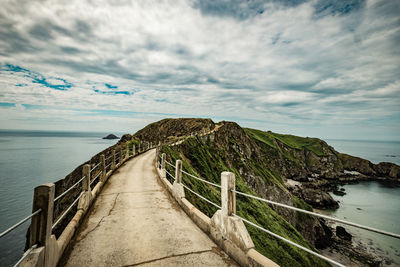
(286, 64)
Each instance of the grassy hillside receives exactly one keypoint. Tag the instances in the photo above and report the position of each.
(205, 160)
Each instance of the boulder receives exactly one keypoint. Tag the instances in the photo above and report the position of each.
(342, 233)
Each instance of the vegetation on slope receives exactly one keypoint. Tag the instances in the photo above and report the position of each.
(207, 161)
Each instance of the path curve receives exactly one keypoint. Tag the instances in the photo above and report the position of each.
(134, 222)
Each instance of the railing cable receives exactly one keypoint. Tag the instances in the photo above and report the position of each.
(290, 242)
(170, 174)
(200, 179)
(170, 164)
(97, 165)
(69, 189)
(66, 212)
(320, 215)
(200, 196)
(19, 223)
(96, 177)
(26, 253)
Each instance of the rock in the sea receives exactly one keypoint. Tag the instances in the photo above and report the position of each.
(342, 233)
(319, 199)
(111, 136)
(338, 193)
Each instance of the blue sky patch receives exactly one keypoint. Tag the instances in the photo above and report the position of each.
(38, 78)
(109, 86)
(7, 105)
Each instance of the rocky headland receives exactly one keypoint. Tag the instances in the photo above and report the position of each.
(298, 171)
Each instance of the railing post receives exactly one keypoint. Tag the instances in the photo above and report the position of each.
(151, 144)
(40, 229)
(139, 148)
(86, 181)
(84, 201)
(228, 198)
(103, 168)
(127, 151)
(178, 171)
(133, 149)
(178, 189)
(163, 158)
(113, 160)
(120, 156)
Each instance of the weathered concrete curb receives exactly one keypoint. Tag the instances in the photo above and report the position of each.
(56, 247)
(245, 258)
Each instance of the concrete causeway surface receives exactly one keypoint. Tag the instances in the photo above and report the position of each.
(134, 222)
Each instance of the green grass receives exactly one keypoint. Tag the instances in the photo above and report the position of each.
(297, 142)
(208, 162)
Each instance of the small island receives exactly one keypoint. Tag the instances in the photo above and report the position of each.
(111, 136)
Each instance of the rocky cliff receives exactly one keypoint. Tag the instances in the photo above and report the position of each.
(293, 170)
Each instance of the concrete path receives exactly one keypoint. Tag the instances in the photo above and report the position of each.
(134, 222)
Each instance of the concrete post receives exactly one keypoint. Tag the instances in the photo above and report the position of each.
(40, 229)
(178, 171)
(228, 198)
(86, 181)
(163, 158)
(113, 160)
(133, 149)
(120, 156)
(103, 168)
(177, 187)
(84, 201)
(139, 148)
(151, 144)
(127, 151)
(224, 223)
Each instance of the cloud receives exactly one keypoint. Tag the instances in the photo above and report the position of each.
(280, 65)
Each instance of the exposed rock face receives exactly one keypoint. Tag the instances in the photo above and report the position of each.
(317, 198)
(266, 160)
(342, 233)
(111, 136)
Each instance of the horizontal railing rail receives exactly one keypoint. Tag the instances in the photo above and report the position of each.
(290, 242)
(19, 223)
(66, 212)
(368, 228)
(200, 179)
(320, 215)
(69, 189)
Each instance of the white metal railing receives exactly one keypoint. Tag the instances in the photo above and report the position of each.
(69, 189)
(66, 212)
(97, 176)
(19, 223)
(290, 242)
(54, 225)
(97, 165)
(284, 206)
(320, 215)
(200, 179)
(14, 227)
(26, 253)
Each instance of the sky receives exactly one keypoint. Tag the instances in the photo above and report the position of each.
(328, 69)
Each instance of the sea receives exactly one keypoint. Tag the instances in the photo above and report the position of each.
(373, 204)
(31, 158)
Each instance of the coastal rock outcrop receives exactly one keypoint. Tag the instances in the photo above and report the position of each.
(111, 136)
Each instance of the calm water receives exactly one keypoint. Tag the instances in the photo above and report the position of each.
(376, 205)
(372, 203)
(375, 151)
(28, 159)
